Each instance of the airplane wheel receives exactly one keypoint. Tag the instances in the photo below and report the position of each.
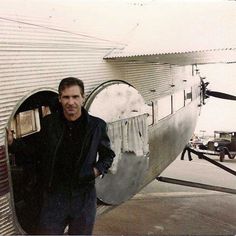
(222, 156)
(232, 157)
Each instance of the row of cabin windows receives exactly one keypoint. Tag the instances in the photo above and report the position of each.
(167, 105)
(28, 122)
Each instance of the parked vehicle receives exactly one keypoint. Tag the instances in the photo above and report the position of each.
(223, 143)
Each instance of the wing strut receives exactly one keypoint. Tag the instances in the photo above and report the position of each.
(202, 156)
(200, 185)
(196, 185)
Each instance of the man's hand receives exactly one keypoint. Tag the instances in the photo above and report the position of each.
(10, 137)
(96, 172)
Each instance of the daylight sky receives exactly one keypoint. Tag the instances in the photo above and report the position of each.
(144, 25)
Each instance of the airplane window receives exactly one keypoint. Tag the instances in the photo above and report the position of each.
(178, 101)
(150, 113)
(188, 95)
(164, 107)
(26, 123)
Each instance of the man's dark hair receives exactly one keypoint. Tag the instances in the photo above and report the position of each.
(70, 81)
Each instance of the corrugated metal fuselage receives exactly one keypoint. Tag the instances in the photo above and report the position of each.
(35, 58)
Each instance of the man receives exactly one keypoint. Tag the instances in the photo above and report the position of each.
(68, 143)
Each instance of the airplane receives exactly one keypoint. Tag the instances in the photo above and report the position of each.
(141, 72)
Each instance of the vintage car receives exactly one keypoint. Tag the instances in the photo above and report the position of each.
(223, 143)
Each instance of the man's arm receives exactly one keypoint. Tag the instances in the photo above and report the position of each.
(15, 145)
(26, 146)
(106, 155)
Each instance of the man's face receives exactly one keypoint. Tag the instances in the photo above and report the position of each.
(71, 100)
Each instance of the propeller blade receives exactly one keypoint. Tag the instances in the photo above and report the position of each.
(220, 95)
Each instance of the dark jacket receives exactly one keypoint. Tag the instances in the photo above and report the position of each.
(48, 140)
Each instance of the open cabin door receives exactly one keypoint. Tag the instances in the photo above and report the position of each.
(126, 114)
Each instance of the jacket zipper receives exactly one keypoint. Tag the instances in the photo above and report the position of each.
(54, 158)
(83, 147)
(80, 156)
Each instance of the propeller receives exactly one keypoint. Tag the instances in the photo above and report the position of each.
(209, 93)
(217, 94)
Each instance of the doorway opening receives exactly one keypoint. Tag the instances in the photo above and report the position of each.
(25, 123)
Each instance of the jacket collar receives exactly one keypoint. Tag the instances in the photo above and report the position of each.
(83, 112)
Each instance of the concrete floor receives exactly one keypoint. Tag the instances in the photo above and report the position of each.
(167, 209)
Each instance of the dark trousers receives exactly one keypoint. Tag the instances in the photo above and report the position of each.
(75, 209)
